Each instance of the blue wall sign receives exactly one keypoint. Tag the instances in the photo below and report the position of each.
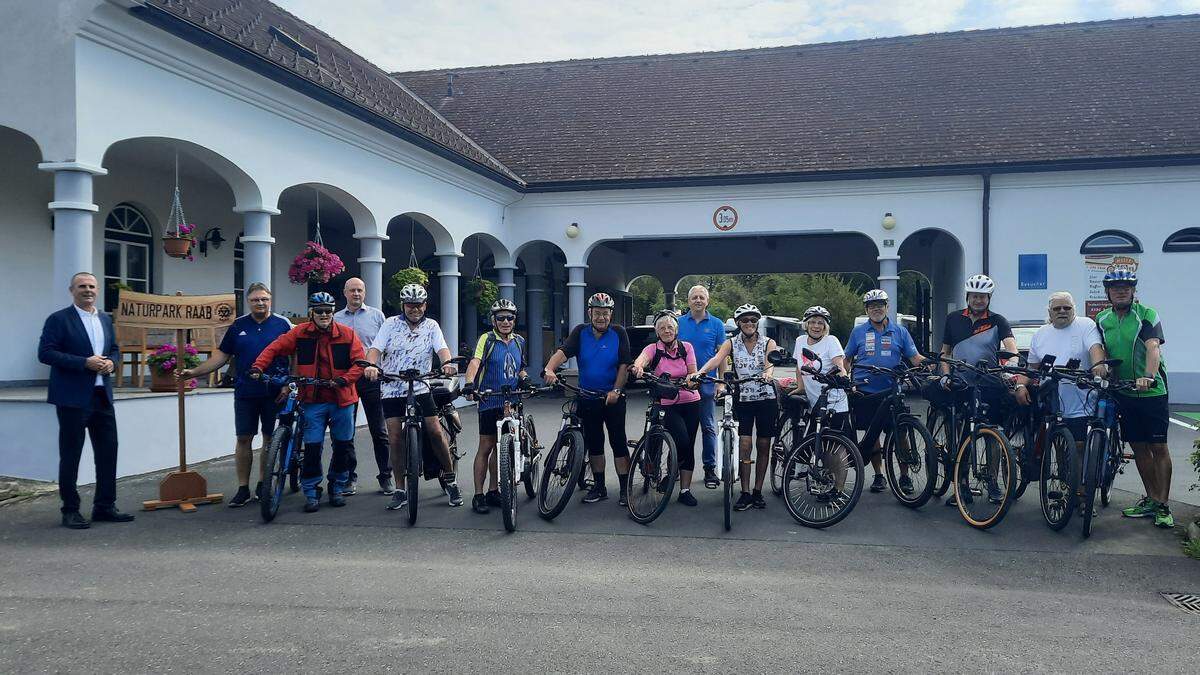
(1031, 271)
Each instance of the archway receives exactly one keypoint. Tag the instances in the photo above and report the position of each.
(486, 259)
(938, 256)
(542, 292)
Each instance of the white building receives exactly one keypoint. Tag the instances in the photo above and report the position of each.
(559, 179)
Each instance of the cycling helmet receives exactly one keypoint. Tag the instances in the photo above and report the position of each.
(746, 309)
(413, 294)
(980, 283)
(876, 295)
(321, 299)
(502, 305)
(817, 310)
(601, 300)
(661, 313)
(1120, 275)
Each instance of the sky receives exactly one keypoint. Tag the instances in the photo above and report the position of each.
(433, 34)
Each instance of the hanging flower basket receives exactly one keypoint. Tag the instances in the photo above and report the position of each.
(180, 246)
(163, 363)
(315, 264)
(406, 276)
(483, 293)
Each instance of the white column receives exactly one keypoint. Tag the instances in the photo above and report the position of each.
(256, 243)
(535, 289)
(889, 282)
(448, 278)
(576, 292)
(73, 226)
(370, 264)
(508, 287)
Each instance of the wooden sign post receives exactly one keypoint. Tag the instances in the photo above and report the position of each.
(183, 488)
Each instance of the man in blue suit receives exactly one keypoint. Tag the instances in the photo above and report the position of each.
(79, 345)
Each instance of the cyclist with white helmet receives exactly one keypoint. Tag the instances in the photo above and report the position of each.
(499, 361)
(828, 349)
(877, 342)
(408, 342)
(601, 348)
(757, 406)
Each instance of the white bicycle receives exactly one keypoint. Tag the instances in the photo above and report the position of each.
(517, 448)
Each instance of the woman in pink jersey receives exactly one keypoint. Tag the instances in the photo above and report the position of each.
(675, 358)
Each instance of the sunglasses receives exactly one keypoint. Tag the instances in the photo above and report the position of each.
(504, 317)
(748, 320)
(322, 312)
(1061, 309)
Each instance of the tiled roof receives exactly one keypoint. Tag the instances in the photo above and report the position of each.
(1109, 89)
(262, 28)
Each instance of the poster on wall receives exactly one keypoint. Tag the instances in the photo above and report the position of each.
(1097, 265)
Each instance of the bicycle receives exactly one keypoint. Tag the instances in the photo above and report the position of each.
(905, 437)
(654, 464)
(1103, 457)
(517, 448)
(729, 437)
(414, 429)
(443, 399)
(793, 418)
(285, 454)
(825, 462)
(566, 462)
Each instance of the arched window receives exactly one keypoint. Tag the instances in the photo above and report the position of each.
(1187, 239)
(1111, 241)
(239, 272)
(128, 243)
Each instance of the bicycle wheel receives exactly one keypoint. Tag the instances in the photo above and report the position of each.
(278, 456)
(508, 484)
(1018, 438)
(563, 463)
(1057, 479)
(937, 422)
(1112, 465)
(983, 478)
(532, 469)
(908, 453)
(822, 484)
(1093, 465)
(653, 471)
(412, 444)
(727, 442)
(779, 453)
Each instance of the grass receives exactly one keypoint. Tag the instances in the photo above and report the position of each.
(1191, 548)
(1190, 415)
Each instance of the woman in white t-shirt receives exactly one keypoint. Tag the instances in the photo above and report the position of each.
(829, 350)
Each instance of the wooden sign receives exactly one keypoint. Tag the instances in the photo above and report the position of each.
(144, 310)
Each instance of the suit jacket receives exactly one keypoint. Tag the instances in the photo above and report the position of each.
(65, 347)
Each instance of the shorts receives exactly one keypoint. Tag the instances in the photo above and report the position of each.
(488, 420)
(760, 415)
(394, 407)
(1077, 426)
(1144, 419)
(865, 410)
(251, 414)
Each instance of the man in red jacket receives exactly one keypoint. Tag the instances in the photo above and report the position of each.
(326, 350)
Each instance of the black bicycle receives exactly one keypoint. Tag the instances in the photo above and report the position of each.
(654, 464)
(285, 454)
(790, 426)
(1103, 457)
(909, 453)
(566, 462)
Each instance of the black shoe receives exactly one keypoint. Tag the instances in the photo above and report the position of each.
(832, 497)
(596, 494)
(241, 498)
(73, 520)
(258, 492)
(745, 501)
(687, 498)
(399, 500)
(479, 504)
(710, 478)
(312, 505)
(906, 485)
(453, 495)
(110, 515)
(879, 484)
(759, 502)
(387, 486)
(336, 499)
(623, 500)
(995, 495)
(350, 489)
(492, 498)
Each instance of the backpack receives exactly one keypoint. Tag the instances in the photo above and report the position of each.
(489, 346)
(659, 355)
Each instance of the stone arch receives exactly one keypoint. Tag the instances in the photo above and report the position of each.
(159, 153)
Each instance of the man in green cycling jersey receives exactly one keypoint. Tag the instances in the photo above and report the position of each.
(1133, 333)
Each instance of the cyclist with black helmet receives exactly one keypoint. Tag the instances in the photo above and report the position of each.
(877, 342)
(499, 361)
(828, 349)
(329, 351)
(1133, 333)
(601, 348)
(408, 342)
(757, 406)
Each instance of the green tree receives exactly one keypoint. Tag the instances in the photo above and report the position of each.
(648, 297)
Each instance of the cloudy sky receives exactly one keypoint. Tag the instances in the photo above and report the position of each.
(447, 34)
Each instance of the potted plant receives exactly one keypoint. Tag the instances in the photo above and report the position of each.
(483, 293)
(165, 360)
(406, 276)
(315, 264)
(178, 243)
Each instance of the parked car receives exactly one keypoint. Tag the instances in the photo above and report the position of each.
(1023, 332)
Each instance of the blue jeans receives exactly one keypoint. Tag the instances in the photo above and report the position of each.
(341, 428)
(340, 421)
(708, 427)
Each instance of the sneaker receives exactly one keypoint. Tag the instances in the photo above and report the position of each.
(596, 494)
(387, 486)
(759, 502)
(710, 478)
(1145, 508)
(1163, 517)
(258, 491)
(687, 498)
(479, 504)
(312, 505)
(832, 497)
(744, 502)
(492, 498)
(623, 500)
(452, 493)
(399, 501)
(995, 495)
(336, 499)
(241, 498)
(906, 485)
(350, 489)
(879, 484)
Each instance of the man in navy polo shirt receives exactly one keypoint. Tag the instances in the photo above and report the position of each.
(254, 404)
(877, 342)
(705, 333)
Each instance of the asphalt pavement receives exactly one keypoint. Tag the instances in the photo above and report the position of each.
(888, 589)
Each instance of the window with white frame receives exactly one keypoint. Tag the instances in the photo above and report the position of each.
(128, 247)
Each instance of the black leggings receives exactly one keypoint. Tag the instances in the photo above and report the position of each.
(682, 421)
(596, 417)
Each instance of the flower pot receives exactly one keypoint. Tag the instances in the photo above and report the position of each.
(177, 247)
(162, 381)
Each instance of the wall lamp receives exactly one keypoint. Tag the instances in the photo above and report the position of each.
(212, 236)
